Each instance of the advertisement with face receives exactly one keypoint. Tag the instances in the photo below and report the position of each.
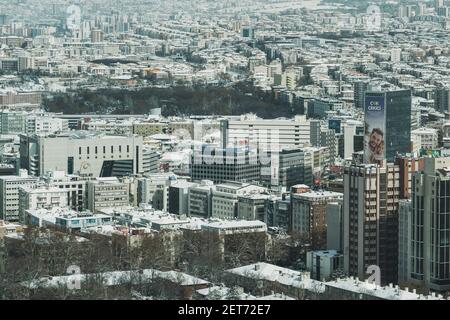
(374, 137)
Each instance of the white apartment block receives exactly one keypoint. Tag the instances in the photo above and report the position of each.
(9, 191)
(73, 185)
(41, 198)
(426, 138)
(46, 125)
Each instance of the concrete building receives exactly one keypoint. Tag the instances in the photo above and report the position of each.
(371, 195)
(13, 122)
(200, 199)
(179, 197)
(286, 168)
(83, 153)
(9, 190)
(250, 130)
(220, 165)
(105, 193)
(424, 138)
(150, 161)
(335, 226)
(73, 185)
(404, 239)
(154, 190)
(251, 207)
(309, 215)
(41, 198)
(407, 165)
(430, 262)
(225, 198)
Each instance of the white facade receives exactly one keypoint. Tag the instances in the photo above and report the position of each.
(82, 153)
(105, 193)
(275, 132)
(9, 190)
(41, 198)
(426, 138)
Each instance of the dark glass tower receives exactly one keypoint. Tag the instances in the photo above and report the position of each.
(397, 120)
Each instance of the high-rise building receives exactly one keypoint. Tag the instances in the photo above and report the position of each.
(430, 230)
(404, 239)
(442, 99)
(359, 89)
(407, 166)
(370, 210)
(334, 221)
(387, 117)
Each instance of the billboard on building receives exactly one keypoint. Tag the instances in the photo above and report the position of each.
(375, 128)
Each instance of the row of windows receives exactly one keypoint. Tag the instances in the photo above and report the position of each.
(104, 149)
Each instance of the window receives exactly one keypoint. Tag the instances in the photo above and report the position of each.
(104, 149)
(96, 150)
(112, 149)
(79, 150)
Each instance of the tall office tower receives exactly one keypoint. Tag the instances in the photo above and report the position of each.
(442, 99)
(359, 88)
(83, 153)
(407, 165)
(334, 212)
(387, 116)
(404, 239)
(430, 259)
(370, 235)
(220, 165)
